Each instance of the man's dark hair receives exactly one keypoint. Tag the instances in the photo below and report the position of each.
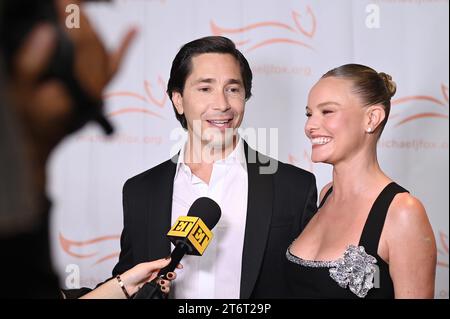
(182, 65)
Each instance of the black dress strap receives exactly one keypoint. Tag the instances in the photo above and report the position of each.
(371, 233)
(325, 197)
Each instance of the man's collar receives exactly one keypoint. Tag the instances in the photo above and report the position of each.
(236, 156)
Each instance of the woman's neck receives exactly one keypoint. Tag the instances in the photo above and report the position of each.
(356, 176)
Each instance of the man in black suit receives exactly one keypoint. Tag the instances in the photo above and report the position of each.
(265, 203)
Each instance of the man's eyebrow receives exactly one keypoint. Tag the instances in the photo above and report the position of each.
(211, 80)
(234, 81)
(203, 80)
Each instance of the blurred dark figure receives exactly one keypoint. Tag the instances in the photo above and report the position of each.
(51, 84)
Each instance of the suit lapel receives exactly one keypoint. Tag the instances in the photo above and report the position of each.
(160, 209)
(259, 214)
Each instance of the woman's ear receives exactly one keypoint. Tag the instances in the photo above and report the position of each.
(375, 115)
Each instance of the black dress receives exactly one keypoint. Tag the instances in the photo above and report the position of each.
(360, 273)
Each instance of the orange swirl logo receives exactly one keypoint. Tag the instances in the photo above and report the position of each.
(70, 247)
(291, 31)
(148, 98)
(441, 104)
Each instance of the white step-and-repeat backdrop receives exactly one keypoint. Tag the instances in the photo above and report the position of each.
(289, 44)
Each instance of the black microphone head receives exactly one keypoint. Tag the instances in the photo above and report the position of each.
(207, 209)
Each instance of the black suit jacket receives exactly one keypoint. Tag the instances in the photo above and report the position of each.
(279, 206)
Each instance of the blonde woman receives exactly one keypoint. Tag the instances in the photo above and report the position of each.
(370, 237)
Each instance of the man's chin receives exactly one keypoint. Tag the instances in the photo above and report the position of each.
(220, 141)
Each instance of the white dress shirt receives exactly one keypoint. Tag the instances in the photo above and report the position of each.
(216, 274)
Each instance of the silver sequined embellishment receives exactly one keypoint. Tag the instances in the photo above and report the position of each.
(356, 270)
(309, 263)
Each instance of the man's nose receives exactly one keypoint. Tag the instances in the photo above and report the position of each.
(221, 101)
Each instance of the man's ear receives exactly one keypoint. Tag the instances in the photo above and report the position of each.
(375, 115)
(177, 100)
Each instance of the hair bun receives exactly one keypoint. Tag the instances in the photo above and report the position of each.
(390, 85)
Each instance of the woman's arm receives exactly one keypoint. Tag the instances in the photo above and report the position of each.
(412, 248)
(132, 280)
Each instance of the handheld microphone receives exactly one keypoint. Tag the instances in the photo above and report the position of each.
(191, 235)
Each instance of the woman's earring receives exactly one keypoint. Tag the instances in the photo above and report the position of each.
(369, 130)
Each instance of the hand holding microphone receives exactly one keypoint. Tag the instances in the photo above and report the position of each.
(191, 235)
